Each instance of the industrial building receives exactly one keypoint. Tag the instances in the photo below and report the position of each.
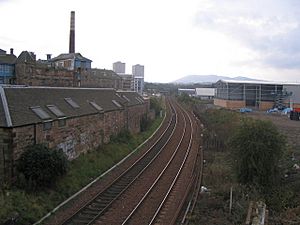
(261, 95)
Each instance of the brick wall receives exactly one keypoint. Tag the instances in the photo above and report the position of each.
(229, 103)
(266, 105)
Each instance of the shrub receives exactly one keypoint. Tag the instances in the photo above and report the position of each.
(145, 123)
(156, 104)
(121, 137)
(41, 166)
(257, 149)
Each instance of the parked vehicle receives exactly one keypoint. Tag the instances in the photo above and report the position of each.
(295, 114)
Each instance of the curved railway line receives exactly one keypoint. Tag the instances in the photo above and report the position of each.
(155, 187)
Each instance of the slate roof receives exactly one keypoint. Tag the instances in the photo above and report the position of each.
(7, 59)
(70, 56)
(132, 98)
(26, 56)
(21, 98)
(2, 114)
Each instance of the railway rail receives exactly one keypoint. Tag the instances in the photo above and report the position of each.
(160, 191)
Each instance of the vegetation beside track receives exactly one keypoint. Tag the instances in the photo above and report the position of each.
(219, 173)
(30, 206)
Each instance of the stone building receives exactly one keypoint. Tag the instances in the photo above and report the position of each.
(63, 71)
(31, 72)
(74, 120)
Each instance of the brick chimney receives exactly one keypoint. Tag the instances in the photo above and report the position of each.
(11, 51)
(72, 33)
(48, 57)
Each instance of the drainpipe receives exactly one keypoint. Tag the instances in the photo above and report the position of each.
(34, 134)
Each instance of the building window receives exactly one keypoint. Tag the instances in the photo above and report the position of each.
(96, 106)
(116, 103)
(47, 125)
(71, 102)
(40, 112)
(62, 122)
(56, 111)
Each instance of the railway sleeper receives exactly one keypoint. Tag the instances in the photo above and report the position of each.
(86, 216)
(79, 221)
(91, 211)
(95, 207)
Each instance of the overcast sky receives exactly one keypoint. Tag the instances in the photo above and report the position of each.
(171, 38)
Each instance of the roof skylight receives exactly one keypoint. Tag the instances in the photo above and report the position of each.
(96, 106)
(116, 103)
(72, 103)
(56, 111)
(40, 112)
(125, 97)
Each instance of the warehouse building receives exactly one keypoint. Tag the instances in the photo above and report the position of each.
(260, 95)
(74, 120)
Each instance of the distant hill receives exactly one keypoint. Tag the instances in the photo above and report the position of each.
(208, 79)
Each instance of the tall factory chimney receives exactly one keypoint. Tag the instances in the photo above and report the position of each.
(72, 33)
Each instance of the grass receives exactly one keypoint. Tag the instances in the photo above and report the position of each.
(32, 206)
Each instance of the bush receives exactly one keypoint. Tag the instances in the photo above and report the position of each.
(41, 166)
(145, 123)
(156, 104)
(257, 149)
(121, 137)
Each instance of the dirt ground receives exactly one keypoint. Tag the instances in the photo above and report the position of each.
(213, 208)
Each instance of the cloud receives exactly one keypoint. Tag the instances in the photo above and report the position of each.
(269, 27)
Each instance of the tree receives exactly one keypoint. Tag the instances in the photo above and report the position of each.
(156, 105)
(257, 148)
(41, 166)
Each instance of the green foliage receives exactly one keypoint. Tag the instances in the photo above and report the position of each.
(31, 206)
(156, 105)
(41, 166)
(121, 137)
(145, 123)
(257, 148)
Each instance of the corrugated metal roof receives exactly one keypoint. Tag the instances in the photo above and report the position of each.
(205, 91)
(259, 82)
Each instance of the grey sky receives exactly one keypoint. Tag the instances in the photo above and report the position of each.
(172, 38)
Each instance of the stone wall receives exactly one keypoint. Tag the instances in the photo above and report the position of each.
(73, 136)
(34, 74)
(37, 74)
(100, 78)
(134, 117)
(6, 157)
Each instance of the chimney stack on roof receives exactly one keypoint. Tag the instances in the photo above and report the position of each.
(11, 51)
(48, 57)
(72, 33)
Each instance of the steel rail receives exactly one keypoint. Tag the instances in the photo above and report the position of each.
(89, 212)
(176, 178)
(128, 218)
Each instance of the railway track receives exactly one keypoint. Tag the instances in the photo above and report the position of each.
(170, 179)
(163, 193)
